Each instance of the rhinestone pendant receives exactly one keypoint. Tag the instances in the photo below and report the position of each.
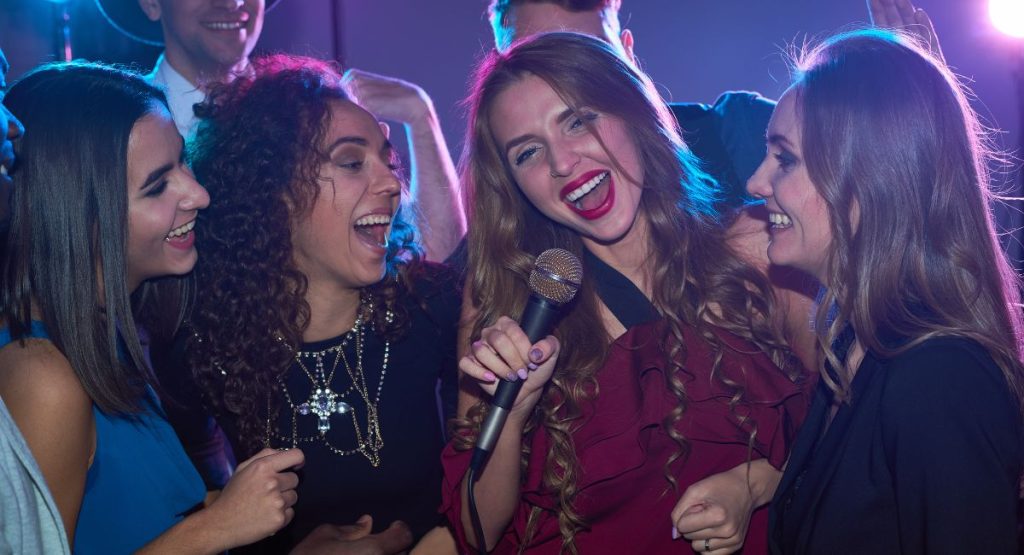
(323, 403)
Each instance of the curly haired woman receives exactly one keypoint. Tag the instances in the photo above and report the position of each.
(314, 323)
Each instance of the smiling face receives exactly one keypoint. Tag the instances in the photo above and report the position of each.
(800, 225)
(163, 201)
(561, 167)
(13, 130)
(343, 237)
(207, 37)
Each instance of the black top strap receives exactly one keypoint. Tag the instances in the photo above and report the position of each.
(624, 299)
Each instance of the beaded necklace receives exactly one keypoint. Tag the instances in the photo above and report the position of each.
(324, 402)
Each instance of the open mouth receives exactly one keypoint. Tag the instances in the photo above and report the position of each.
(181, 234)
(779, 220)
(374, 229)
(591, 195)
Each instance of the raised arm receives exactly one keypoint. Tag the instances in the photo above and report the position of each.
(435, 185)
(901, 14)
(505, 352)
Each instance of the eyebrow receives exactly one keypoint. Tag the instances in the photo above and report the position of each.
(777, 139)
(564, 115)
(155, 175)
(348, 140)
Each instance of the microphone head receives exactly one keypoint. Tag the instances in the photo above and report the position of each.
(556, 275)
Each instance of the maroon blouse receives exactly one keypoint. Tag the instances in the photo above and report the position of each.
(622, 447)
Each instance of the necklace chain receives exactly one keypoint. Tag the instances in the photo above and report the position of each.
(324, 402)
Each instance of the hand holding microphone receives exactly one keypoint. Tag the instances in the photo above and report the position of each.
(513, 354)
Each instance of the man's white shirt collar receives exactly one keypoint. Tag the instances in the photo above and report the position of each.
(181, 95)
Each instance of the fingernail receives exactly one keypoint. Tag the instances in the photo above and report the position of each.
(675, 533)
(522, 373)
(532, 366)
(489, 377)
(511, 376)
(535, 355)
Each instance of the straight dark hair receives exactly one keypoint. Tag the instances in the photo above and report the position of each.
(66, 243)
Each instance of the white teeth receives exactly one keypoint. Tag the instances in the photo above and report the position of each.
(577, 194)
(779, 219)
(3, 170)
(225, 26)
(373, 219)
(179, 231)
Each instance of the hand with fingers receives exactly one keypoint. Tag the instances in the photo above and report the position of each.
(387, 97)
(505, 353)
(901, 14)
(355, 539)
(714, 513)
(258, 499)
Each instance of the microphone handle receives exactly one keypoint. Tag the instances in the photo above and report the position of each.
(537, 321)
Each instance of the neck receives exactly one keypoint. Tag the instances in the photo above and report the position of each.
(199, 73)
(332, 310)
(629, 255)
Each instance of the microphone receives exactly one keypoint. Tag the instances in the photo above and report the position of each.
(554, 281)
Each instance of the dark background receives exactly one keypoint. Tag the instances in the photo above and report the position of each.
(694, 49)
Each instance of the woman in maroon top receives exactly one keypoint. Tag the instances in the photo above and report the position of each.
(659, 399)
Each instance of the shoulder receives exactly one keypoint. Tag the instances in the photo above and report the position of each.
(737, 103)
(947, 362)
(438, 286)
(40, 387)
(946, 378)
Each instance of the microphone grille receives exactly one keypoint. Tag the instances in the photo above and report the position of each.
(556, 275)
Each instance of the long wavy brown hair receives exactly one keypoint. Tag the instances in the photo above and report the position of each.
(697, 281)
(888, 127)
(258, 152)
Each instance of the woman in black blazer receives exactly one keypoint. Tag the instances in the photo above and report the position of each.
(876, 183)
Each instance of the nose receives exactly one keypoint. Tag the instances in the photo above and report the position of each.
(562, 159)
(195, 196)
(14, 127)
(759, 185)
(386, 184)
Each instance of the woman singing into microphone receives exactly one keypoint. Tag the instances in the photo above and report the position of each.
(664, 373)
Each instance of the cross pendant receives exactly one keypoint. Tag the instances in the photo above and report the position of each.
(323, 403)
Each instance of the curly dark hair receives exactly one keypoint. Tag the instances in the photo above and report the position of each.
(257, 151)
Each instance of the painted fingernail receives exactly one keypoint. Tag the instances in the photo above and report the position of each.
(675, 533)
(535, 355)
(489, 377)
(532, 366)
(522, 373)
(511, 376)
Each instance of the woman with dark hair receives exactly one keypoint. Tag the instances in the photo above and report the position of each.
(103, 204)
(666, 370)
(315, 324)
(913, 440)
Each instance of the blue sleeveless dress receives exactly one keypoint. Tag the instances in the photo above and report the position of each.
(140, 482)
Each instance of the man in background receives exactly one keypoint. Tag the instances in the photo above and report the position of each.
(208, 41)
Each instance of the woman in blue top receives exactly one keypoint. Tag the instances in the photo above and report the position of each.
(102, 204)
